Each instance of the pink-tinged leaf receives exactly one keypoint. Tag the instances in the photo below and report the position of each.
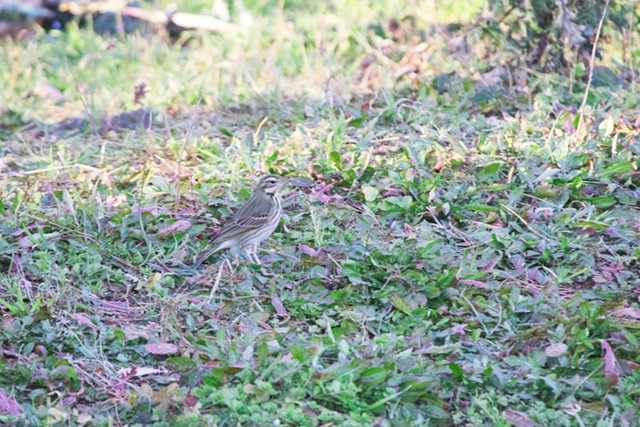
(133, 333)
(325, 199)
(70, 400)
(458, 330)
(190, 400)
(475, 283)
(323, 188)
(276, 302)
(84, 321)
(556, 349)
(568, 126)
(633, 365)
(491, 264)
(161, 348)
(32, 240)
(320, 192)
(534, 274)
(544, 213)
(392, 192)
(613, 267)
(518, 262)
(518, 419)
(409, 231)
(9, 405)
(41, 350)
(154, 210)
(177, 227)
(47, 91)
(629, 312)
(25, 242)
(138, 371)
(309, 251)
(611, 372)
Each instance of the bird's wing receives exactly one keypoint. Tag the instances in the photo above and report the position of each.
(250, 216)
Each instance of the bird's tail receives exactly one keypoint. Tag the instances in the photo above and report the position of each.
(203, 256)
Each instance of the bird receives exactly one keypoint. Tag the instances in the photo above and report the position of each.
(253, 222)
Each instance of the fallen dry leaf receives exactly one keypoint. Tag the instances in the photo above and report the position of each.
(190, 400)
(177, 227)
(139, 92)
(48, 91)
(9, 405)
(517, 418)
(132, 332)
(84, 321)
(471, 282)
(138, 371)
(611, 372)
(556, 349)
(276, 302)
(308, 250)
(458, 330)
(161, 348)
(630, 312)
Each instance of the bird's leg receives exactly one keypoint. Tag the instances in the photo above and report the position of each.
(246, 253)
(231, 269)
(250, 251)
(255, 254)
(236, 255)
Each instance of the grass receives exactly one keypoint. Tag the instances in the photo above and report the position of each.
(464, 258)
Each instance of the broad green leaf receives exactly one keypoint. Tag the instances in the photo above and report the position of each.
(617, 169)
(370, 193)
(602, 201)
(400, 304)
(456, 371)
(490, 170)
(598, 226)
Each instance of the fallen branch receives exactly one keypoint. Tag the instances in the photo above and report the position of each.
(173, 21)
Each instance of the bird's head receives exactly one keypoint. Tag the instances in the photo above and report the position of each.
(271, 184)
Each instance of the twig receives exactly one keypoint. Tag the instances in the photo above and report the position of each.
(473, 308)
(216, 284)
(591, 61)
(526, 224)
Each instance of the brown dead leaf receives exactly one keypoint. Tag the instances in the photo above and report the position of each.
(517, 418)
(83, 320)
(9, 405)
(190, 400)
(177, 227)
(139, 92)
(138, 371)
(471, 282)
(161, 348)
(628, 312)
(611, 372)
(30, 241)
(84, 419)
(556, 349)
(47, 91)
(309, 251)
(133, 333)
(276, 302)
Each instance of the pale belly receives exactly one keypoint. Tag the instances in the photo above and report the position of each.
(257, 241)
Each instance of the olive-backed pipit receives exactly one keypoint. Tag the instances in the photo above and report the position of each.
(253, 223)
